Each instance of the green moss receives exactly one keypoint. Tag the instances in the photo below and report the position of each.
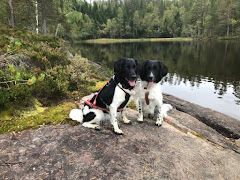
(199, 135)
(37, 108)
(6, 114)
(98, 85)
(16, 111)
(132, 105)
(52, 115)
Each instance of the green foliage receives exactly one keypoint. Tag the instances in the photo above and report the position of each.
(14, 86)
(127, 19)
(78, 71)
(163, 18)
(55, 83)
(32, 66)
(37, 66)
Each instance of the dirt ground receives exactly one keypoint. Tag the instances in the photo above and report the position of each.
(184, 147)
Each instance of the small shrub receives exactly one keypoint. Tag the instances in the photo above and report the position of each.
(16, 85)
(55, 83)
(78, 71)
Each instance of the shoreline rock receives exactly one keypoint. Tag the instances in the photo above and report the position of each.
(222, 123)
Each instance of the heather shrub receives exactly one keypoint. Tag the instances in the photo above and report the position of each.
(16, 85)
(78, 71)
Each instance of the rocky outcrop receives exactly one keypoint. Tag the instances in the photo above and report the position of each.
(182, 148)
(223, 124)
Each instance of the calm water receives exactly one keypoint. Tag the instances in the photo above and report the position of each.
(205, 73)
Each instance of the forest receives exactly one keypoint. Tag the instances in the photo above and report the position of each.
(80, 19)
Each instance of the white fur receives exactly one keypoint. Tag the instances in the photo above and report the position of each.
(155, 108)
(76, 114)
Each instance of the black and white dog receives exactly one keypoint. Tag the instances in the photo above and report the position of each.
(150, 98)
(113, 97)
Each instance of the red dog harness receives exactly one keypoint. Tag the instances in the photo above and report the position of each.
(94, 104)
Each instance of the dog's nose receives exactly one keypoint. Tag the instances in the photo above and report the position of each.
(133, 76)
(150, 76)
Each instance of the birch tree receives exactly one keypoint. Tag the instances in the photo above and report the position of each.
(11, 19)
(44, 21)
(36, 15)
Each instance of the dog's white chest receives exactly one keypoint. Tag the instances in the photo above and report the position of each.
(150, 96)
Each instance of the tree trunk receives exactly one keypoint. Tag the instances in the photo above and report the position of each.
(57, 30)
(228, 24)
(229, 17)
(199, 32)
(61, 5)
(44, 22)
(11, 19)
(36, 15)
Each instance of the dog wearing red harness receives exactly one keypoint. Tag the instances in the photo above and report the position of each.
(150, 99)
(112, 98)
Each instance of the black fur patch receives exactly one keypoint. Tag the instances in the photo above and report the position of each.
(127, 96)
(89, 116)
(157, 68)
(126, 69)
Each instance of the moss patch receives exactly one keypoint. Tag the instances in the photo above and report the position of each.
(199, 135)
(98, 85)
(132, 105)
(52, 115)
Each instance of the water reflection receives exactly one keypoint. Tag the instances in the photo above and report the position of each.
(203, 93)
(211, 66)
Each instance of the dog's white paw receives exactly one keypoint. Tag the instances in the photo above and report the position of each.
(158, 123)
(97, 127)
(159, 120)
(118, 131)
(140, 120)
(126, 120)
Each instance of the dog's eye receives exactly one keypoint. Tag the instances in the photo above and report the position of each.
(154, 67)
(134, 67)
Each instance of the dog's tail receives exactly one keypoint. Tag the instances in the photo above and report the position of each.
(77, 115)
(165, 109)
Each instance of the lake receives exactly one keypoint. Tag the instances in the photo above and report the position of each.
(202, 72)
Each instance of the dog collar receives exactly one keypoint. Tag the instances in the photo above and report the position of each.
(120, 86)
(146, 97)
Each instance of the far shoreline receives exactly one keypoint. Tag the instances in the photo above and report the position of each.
(109, 40)
(178, 39)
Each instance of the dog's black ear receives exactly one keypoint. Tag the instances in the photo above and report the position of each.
(118, 66)
(142, 70)
(163, 70)
(137, 66)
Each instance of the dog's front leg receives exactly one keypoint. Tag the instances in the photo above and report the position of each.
(140, 111)
(113, 118)
(159, 116)
(124, 118)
